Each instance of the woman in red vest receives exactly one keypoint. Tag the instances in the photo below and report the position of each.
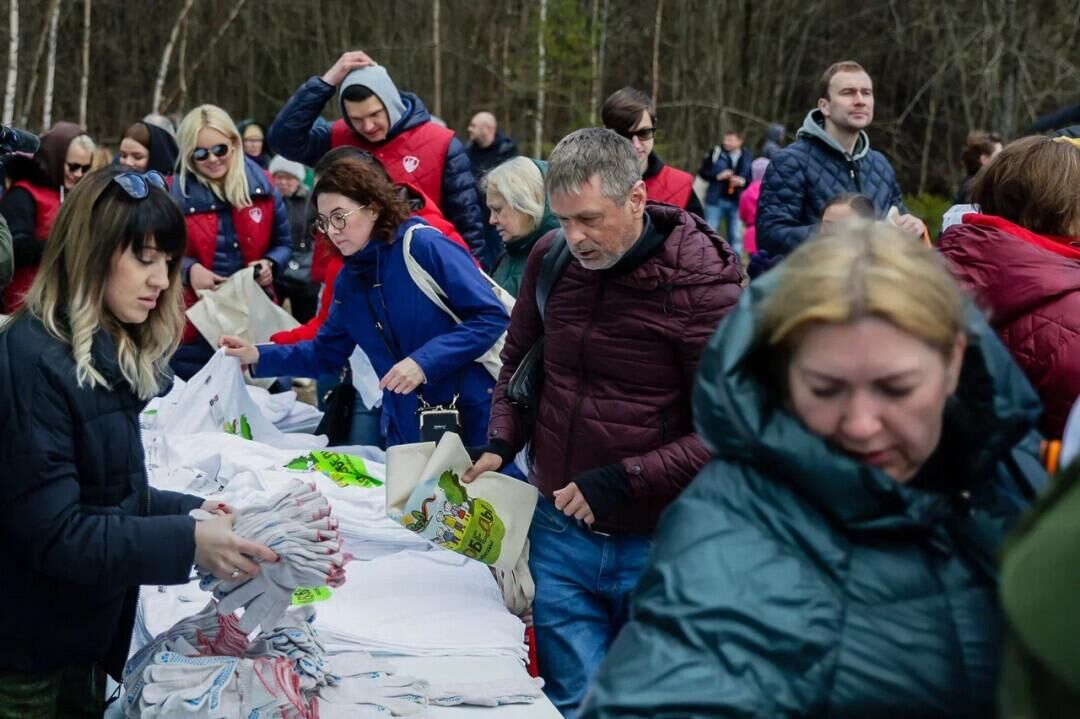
(632, 114)
(30, 206)
(235, 217)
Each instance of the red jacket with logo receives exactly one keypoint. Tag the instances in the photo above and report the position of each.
(415, 156)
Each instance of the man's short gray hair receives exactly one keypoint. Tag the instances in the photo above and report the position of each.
(593, 151)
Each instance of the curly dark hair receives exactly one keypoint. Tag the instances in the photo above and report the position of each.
(367, 184)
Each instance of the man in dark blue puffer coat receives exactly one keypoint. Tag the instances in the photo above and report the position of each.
(831, 155)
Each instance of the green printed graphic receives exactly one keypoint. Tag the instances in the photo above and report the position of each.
(243, 430)
(346, 470)
(447, 516)
(310, 595)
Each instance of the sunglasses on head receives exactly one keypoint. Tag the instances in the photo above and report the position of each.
(200, 154)
(137, 184)
(74, 167)
(644, 134)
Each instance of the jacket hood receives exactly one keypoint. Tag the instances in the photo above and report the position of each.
(163, 150)
(775, 132)
(376, 79)
(814, 127)
(1013, 275)
(691, 254)
(743, 420)
(53, 151)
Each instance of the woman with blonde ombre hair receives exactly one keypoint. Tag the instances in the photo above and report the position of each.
(82, 527)
(872, 442)
(235, 217)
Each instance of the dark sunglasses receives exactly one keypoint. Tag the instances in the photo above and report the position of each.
(200, 154)
(74, 167)
(137, 184)
(644, 134)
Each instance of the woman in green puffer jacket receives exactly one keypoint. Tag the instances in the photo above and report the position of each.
(517, 201)
(873, 442)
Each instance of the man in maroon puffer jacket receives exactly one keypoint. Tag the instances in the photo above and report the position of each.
(613, 442)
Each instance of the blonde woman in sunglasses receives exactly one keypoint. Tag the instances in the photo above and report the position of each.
(235, 218)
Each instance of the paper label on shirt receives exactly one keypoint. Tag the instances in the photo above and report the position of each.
(346, 470)
(441, 511)
(310, 595)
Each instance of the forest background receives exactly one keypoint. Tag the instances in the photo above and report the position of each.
(544, 66)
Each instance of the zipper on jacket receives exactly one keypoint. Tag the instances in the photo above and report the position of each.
(663, 428)
(855, 175)
(584, 379)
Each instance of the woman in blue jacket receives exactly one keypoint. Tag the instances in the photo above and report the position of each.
(81, 527)
(873, 441)
(421, 353)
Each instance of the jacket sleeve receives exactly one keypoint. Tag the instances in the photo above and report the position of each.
(164, 502)
(896, 196)
(298, 132)
(708, 170)
(17, 207)
(659, 476)
(460, 203)
(693, 205)
(726, 622)
(780, 224)
(326, 354)
(54, 533)
(310, 330)
(483, 317)
(280, 250)
(1060, 385)
(507, 423)
(7, 264)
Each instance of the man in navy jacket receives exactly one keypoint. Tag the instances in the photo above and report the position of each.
(830, 156)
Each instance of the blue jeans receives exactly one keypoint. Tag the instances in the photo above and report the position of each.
(583, 584)
(726, 211)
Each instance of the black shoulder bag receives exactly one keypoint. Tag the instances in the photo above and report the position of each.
(338, 406)
(523, 389)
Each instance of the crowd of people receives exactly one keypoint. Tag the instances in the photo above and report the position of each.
(780, 432)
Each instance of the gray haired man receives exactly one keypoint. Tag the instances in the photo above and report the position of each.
(612, 440)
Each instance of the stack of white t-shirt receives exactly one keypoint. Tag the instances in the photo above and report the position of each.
(421, 604)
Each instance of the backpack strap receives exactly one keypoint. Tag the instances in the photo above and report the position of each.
(555, 261)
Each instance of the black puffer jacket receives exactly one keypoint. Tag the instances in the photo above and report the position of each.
(80, 527)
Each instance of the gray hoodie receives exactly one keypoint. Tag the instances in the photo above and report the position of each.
(814, 126)
(376, 79)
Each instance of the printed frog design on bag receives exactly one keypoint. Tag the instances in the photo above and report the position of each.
(446, 515)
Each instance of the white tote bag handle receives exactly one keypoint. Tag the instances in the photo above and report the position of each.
(431, 289)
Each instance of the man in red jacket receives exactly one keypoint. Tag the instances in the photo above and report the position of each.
(613, 441)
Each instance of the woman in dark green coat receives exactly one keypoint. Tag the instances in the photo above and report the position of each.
(519, 211)
(873, 442)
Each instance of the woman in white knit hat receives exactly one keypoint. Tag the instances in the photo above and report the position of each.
(294, 281)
